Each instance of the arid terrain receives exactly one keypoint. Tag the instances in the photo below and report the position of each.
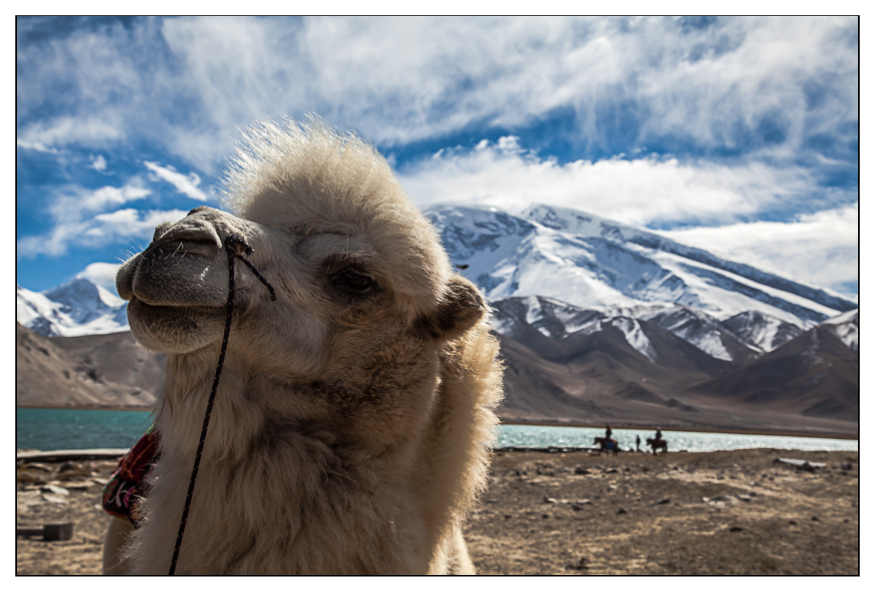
(730, 512)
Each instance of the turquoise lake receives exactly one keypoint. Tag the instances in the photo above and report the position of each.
(51, 429)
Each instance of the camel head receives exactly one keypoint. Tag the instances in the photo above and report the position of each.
(366, 296)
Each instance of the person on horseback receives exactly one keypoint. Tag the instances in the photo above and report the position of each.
(658, 434)
(607, 431)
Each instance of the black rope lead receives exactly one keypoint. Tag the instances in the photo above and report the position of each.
(236, 247)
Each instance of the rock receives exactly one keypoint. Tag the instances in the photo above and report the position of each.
(74, 474)
(27, 476)
(55, 499)
(550, 500)
(621, 511)
(579, 505)
(545, 516)
(84, 486)
(814, 518)
(663, 501)
(57, 490)
(579, 565)
(792, 522)
(581, 470)
(736, 528)
(611, 471)
(745, 498)
(36, 466)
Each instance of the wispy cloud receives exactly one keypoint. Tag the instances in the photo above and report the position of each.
(820, 248)
(83, 217)
(187, 185)
(102, 274)
(640, 191)
(774, 84)
(98, 163)
(36, 146)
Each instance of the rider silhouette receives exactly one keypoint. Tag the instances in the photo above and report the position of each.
(607, 431)
(658, 433)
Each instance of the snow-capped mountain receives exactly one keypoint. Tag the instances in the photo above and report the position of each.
(760, 330)
(76, 308)
(595, 263)
(847, 327)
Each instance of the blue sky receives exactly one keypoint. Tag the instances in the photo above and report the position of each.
(738, 135)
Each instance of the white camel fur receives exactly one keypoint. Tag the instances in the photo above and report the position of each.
(353, 421)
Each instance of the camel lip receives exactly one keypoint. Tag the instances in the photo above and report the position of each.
(137, 301)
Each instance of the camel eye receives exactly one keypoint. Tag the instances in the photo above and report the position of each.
(353, 281)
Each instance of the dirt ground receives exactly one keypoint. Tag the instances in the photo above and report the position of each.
(730, 512)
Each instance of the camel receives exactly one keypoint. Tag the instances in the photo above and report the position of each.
(353, 423)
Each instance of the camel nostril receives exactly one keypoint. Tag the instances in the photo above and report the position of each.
(161, 230)
(194, 238)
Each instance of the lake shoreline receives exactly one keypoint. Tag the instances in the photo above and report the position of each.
(787, 433)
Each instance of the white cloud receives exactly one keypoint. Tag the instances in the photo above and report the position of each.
(400, 80)
(102, 274)
(820, 248)
(187, 185)
(82, 217)
(124, 225)
(98, 163)
(638, 191)
(36, 146)
(88, 130)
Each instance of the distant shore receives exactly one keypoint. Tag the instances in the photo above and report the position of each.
(787, 433)
(548, 423)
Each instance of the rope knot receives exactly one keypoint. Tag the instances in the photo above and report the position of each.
(236, 244)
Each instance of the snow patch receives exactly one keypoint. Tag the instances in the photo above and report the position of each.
(635, 336)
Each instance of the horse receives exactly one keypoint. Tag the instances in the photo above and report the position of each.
(607, 444)
(656, 444)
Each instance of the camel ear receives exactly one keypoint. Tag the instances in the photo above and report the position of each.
(460, 309)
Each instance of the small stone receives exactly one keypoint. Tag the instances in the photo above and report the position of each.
(57, 490)
(621, 511)
(550, 500)
(67, 466)
(507, 515)
(792, 522)
(36, 466)
(579, 565)
(663, 501)
(545, 516)
(745, 498)
(814, 518)
(581, 470)
(736, 528)
(84, 486)
(55, 499)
